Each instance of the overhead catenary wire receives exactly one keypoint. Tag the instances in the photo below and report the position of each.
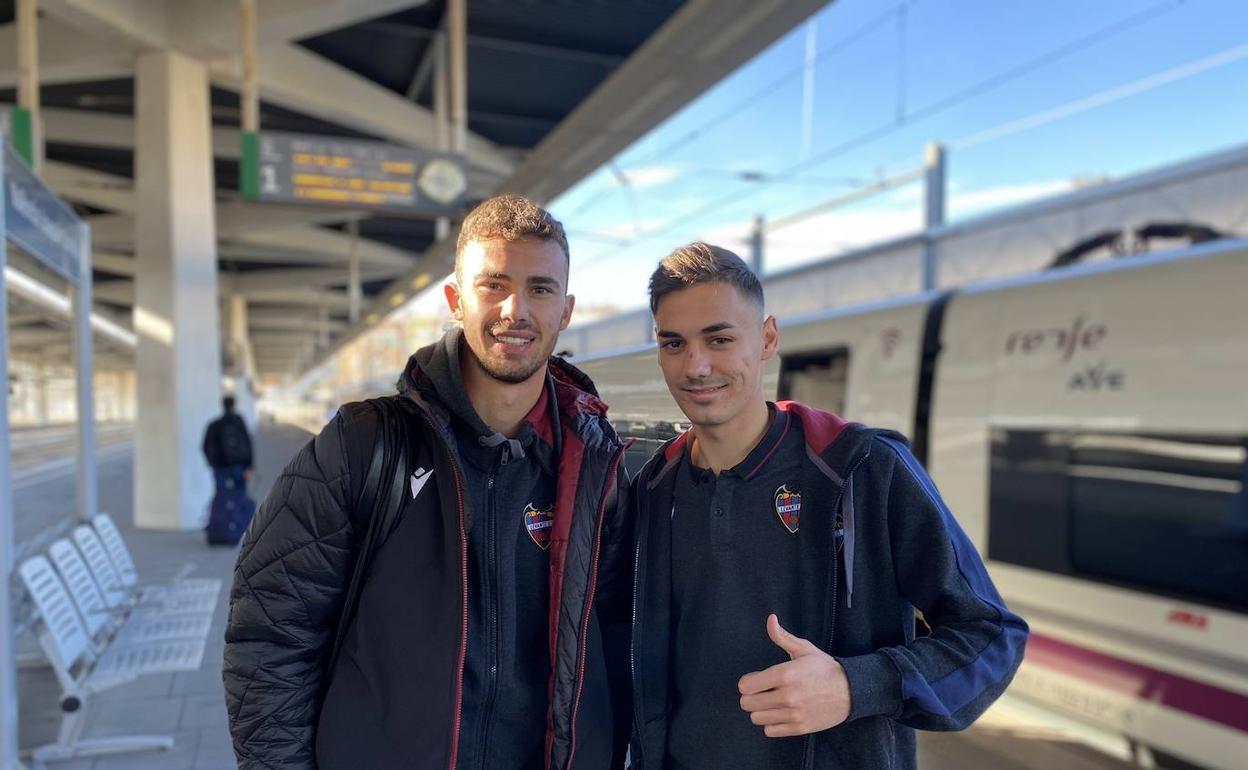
(880, 131)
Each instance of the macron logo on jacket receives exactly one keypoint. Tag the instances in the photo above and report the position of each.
(420, 477)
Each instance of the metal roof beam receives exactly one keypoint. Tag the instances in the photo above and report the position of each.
(269, 339)
(424, 70)
(299, 257)
(298, 79)
(544, 50)
(66, 55)
(335, 300)
(113, 262)
(292, 323)
(121, 292)
(31, 338)
(210, 28)
(140, 24)
(116, 292)
(95, 188)
(319, 240)
(311, 277)
(116, 132)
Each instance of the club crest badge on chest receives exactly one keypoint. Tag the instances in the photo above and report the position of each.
(539, 522)
(788, 507)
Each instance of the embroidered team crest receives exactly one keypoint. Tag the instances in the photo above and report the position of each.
(788, 507)
(539, 522)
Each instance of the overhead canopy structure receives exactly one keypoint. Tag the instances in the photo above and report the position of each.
(554, 90)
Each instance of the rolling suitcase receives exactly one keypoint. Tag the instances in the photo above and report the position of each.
(230, 513)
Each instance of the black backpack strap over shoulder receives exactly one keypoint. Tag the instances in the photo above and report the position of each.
(381, 497)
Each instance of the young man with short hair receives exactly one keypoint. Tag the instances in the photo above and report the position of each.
(781, 554)
(477, 640)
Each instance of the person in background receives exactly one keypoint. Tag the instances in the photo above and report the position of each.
(227, 448)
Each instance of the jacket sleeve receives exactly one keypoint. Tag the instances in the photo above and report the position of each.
(614, 595)
(614, 606)
(289, 585)
(946, 680)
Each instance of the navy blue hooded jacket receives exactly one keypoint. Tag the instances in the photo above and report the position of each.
(902, 550)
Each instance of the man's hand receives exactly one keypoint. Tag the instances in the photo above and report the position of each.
(808, 694)
(249, 474)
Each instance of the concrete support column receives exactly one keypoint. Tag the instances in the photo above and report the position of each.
(758, 243)
(240, 338)
(457, 33)
(244, 372)
(249, 97)
(27, 18)
(442, 117)
(355, 291)
(178, 359)
(933, 207)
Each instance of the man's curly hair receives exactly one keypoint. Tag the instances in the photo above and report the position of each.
(509, 217)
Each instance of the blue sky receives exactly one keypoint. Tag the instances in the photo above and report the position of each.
(1109, 88)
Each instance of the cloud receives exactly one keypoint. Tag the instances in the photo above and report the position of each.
(623, 229)
(648, 176)
(822, 235)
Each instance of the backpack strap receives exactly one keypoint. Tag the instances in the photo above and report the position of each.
(381, 497)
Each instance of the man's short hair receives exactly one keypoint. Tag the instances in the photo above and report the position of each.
(228, 403)
(509, 217)
(699, 263)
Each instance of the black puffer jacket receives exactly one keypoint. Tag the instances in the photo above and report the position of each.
(394, 698)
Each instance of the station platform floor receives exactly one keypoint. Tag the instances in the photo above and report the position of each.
(190, 706)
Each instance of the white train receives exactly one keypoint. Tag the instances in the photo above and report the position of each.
(1089, 428)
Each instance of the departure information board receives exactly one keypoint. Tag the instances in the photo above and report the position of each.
(300, 168)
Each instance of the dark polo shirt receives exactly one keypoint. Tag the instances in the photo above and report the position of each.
(735, 559)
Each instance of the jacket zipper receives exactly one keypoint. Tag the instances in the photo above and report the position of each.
(808, 761)
(612, 471)
(491, 686)
(639, 760)
(463, 584)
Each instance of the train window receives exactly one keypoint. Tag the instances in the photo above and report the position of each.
(818, 379)
(1164, 514)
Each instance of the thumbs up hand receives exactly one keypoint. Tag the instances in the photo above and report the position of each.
(807, 694)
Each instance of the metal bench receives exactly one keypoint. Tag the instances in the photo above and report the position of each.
(123, 564)
(117, 596)
(105, 628)
(83, 672)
